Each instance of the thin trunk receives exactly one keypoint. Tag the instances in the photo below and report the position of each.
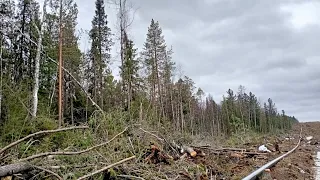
(51, 96)
(191, 118)
(159, 87)
(181, 112)
(255, 116)
(172, 105)
(60, 68)
(71, 104)
(20, 60)
(37, 64)
(122, 43)
(140, 113)
(87, 109)
(213, 124)
(218, 121)
(95, 86)
(129, 96)
(178, 116)
(227, 123)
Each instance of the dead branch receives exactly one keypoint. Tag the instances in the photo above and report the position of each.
(11, 169)
(107, 167)
(38, 133)
(50, 172)
(220, 149)
(160, 139)
(246, 153)
(130, 177)
(230, 149)
(72, 153)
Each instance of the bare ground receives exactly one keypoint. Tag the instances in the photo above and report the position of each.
(298, 165)
(237, 164)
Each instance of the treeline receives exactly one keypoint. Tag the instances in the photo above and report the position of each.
(146, 91)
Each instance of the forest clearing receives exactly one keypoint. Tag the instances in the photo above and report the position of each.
(65, 115)
(146, 155)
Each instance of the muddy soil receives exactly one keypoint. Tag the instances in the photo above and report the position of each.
(299, 165)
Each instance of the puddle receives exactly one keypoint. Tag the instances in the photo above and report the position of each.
(317, 164)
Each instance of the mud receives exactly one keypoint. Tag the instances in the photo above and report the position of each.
(299, 165)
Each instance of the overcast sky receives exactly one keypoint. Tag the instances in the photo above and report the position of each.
(271, 47)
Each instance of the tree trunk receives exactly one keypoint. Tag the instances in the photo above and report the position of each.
(60, 68)
(37, 65)
(11, 169)
(71, 105)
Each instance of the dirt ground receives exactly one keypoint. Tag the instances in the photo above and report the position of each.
(298, 165)
(237, 164)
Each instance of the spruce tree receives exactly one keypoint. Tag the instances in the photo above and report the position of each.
(100, 35)
(129, 73)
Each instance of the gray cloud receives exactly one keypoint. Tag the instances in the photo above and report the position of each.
(224, 43)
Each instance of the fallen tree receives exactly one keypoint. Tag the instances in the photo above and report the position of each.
(11, 169)
(39, 133)
(22, 166)
(72, 153)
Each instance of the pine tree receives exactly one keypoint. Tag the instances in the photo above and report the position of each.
(154, 53)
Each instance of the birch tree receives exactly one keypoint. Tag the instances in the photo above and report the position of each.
(37, 62)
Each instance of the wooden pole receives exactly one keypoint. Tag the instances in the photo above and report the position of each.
(60, 68)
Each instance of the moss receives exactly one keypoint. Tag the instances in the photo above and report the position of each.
(112, 172)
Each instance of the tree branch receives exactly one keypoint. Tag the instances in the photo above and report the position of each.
(107, 167)
(48, 171)
(71, 153)
(130, 177)
(160, 139)
(38, 133)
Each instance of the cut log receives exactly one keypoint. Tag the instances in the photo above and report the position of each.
(190, 150)
(7, 178)
(11, 169)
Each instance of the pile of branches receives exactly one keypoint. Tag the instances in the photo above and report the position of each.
(23, 166)
(29, 164)
(163, 152)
